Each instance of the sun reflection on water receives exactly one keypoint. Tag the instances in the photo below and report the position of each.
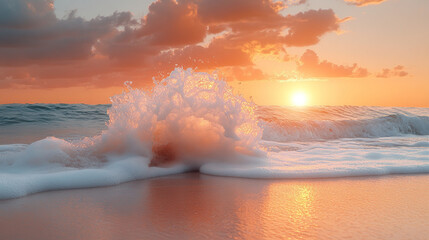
(282, 211)
(292, 208)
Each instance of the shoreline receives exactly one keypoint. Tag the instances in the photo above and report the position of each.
(357, 177)
(193, 205)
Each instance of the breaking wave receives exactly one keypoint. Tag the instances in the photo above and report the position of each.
(327, 123)
(194, 121)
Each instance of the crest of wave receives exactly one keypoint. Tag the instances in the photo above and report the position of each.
(188, 117)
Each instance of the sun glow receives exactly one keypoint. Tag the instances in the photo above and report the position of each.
(299, 99)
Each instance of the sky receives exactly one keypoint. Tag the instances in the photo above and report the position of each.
(335, 52)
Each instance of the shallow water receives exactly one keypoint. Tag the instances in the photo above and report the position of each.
(197, 206)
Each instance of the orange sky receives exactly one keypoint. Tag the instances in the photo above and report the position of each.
(338, 52)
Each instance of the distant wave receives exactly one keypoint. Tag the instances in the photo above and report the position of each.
(45, 113)
(323, 123)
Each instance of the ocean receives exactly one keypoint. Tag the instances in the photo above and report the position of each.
(194, 121)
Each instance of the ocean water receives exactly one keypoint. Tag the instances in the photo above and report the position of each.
(193, 121)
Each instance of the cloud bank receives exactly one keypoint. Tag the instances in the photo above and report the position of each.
(40, 50)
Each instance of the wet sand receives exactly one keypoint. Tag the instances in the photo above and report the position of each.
(197, 206)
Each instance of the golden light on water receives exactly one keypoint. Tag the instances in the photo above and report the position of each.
(299, 99)
(292, 207)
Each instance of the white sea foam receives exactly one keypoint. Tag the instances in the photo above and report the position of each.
(338, 158)
(193, 121)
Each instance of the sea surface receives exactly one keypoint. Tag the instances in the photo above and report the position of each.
(193, 121)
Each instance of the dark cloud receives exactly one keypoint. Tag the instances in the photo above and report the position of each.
(59, 40)
(26, 13)
(311, 66)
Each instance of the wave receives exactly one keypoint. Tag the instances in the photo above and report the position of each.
(284, 129)
(18, 114)
(189, 118)
(194, 121)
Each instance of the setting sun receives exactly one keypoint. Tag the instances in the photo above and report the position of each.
(299, 99)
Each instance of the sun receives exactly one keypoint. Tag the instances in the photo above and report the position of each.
(299, 99)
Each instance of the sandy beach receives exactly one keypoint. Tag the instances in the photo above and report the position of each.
(197, 206)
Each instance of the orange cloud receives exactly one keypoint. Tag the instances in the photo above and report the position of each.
(398, 71)
(306, 28)
(228, 11)
(244, 74)
(311, 66)
(181, 27)
(37, 49)
(362, 3)
(217, 54)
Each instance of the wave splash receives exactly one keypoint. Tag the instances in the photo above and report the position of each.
(193, 120)
(189, 116)
(188, 119)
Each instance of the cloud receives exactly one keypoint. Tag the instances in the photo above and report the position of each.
(311, 66)
(306, 28)
(244, 74)
(362, 3)
(38, 49)
(51, 40)
(227, 11)
(181, 27)
(26, 13)
(212, 56)
(398, 71)
(295, 2)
